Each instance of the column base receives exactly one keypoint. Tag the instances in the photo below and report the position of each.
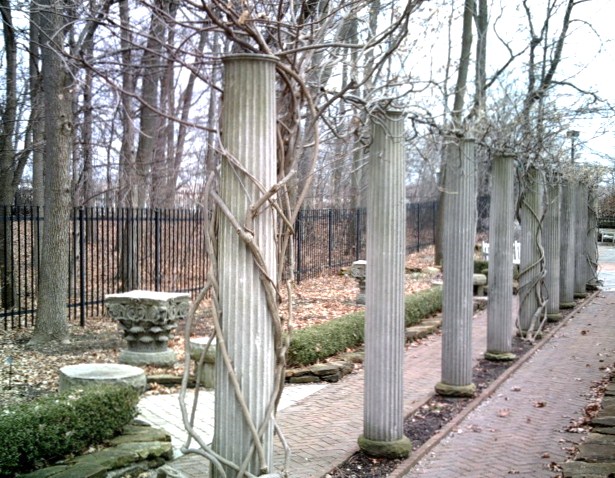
(462, 391)
(580, 295)
(386, 449)
(164, 358)
(554, 317)
(500, 356)
(523, 333)
(567, 305)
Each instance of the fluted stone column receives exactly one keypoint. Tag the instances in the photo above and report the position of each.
(501, 219)
(458, 266)
(580, 250)
(592, 239)
(249, 135)
(567, 245)
(531, 268)
(383, 428)
(551, 241)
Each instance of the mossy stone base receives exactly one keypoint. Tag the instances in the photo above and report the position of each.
(446, 390)
(386, 449)
(556, 317)
(580, 295)
(566, 305)
(500, 356)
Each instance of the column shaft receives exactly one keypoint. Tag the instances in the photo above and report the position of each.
(567, 245)
(551, 241)
(501, 217)
(384, 318)
(531, 265)
(458, 267)
(249, 135)
(580, 232)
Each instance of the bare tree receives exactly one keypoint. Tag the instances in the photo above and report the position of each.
(51, 323)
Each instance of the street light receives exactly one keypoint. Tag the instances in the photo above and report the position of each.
(573, 135)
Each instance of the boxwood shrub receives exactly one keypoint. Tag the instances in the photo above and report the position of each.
(52, 427)
(318, 342)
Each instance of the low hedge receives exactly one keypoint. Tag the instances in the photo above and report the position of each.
(312, 344)
(47, 429)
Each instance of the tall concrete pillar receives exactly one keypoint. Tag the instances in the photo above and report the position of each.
(383, 428)
(580, 250)
(567, 244)
(249, 135)
(530, 270)
(551, 241)
(592, 239)
(501, 219)
(458, 266)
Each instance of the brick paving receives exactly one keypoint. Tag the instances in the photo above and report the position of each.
(510, 433)
(521, 429)
(322, 429)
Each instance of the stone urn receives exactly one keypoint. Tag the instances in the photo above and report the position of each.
(148, 320)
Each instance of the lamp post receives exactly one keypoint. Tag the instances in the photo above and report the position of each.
(573, 135)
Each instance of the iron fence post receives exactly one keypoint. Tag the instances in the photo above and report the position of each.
(157, 249)
(357, 235)
(330, 238)
(418, 227)
(299, 238)
(82, 271)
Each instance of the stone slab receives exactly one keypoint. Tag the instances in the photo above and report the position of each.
(148, 295)
(63, 471)
(603, 421)
(581, 469)
(597, 452)
(126, 454)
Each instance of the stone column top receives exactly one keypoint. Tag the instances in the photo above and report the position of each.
(148, 295)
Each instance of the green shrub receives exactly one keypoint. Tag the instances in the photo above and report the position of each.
(57, 425)
(480, 266)
(310, 345)
(423, 304)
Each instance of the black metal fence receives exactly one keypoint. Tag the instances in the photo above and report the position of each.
(124, 249)
(110, 250)
(333, 238)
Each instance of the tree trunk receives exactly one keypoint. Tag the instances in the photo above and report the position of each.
(7, 157)
(51, 323)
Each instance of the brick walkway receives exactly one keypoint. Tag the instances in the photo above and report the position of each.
(509, 433)
(520, 430)
(322, 429)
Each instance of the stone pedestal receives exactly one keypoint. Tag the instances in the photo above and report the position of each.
(207, 376)
(148, 320)
(357, 271)
(92, 374)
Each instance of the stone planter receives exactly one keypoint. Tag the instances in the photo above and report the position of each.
(148, 320)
